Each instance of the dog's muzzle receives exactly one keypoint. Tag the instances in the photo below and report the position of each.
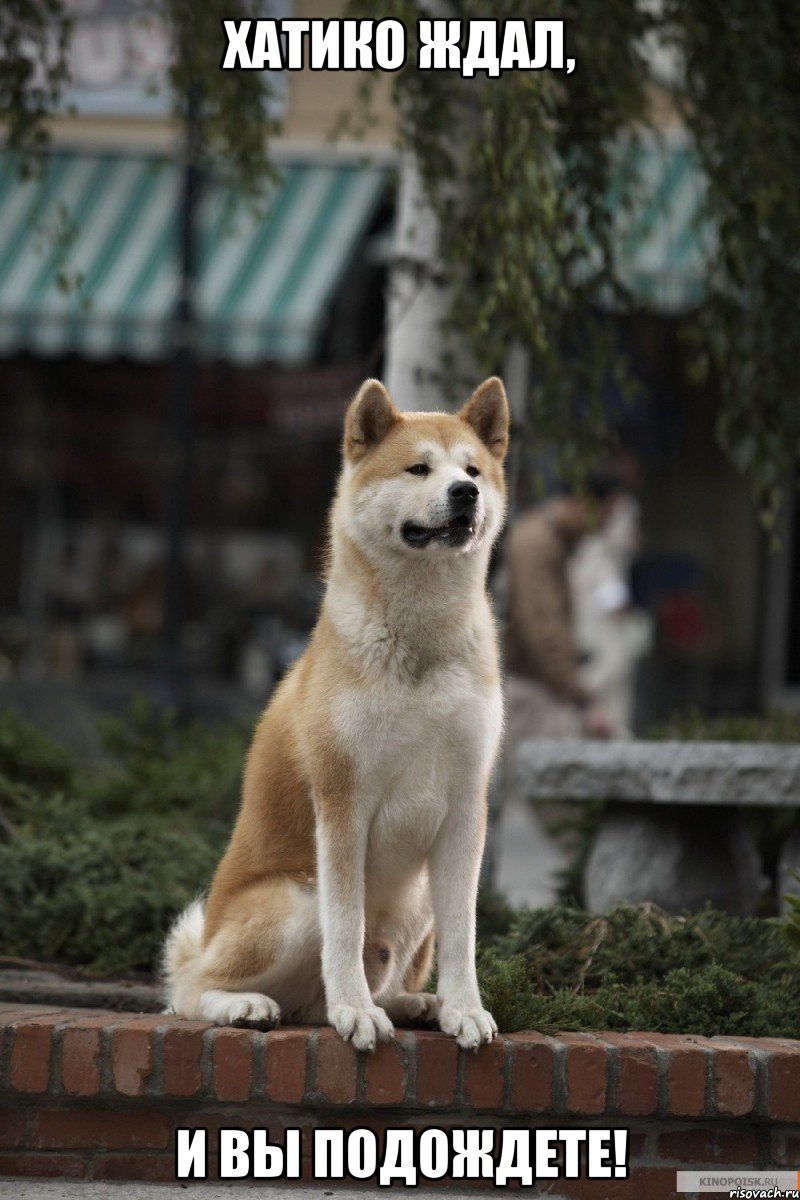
(462, 498)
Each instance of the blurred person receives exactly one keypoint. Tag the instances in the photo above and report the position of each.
(611, 634)
(547, 695)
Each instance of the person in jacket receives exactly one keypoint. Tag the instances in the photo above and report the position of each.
(546, 691)
(546, 694)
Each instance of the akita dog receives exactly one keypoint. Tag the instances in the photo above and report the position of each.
(364, 799)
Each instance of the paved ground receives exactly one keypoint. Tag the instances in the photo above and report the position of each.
(70, 710)
(57, 1189)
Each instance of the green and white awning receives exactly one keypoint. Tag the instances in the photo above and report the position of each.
(88, 252)
(662, 243)
(88, 257)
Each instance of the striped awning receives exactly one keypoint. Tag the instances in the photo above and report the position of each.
(89, 257)
(663, 245)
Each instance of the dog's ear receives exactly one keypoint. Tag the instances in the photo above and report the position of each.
(369, 418)
(487, 412)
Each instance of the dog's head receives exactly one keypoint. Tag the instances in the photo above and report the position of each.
(424, 484)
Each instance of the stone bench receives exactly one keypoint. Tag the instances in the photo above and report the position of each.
(672, 832)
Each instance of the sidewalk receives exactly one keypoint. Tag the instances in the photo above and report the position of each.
(59, 1189)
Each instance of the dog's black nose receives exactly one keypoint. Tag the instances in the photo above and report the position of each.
(462, 494)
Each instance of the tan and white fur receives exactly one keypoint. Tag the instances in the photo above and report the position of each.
(363, 813)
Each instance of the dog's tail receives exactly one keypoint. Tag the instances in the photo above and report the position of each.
(179, 961)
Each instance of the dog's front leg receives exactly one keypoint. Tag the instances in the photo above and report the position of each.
(454, 866)
(341, 857)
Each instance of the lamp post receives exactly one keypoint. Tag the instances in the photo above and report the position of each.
(182, 382)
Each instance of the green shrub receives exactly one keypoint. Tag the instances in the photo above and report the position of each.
(691, 725)
(710, 1002)
(100, 894)
(567, 947)
(495, 915)
(637, 968)
(792, 923)
(95, 863)
(160, 765)
(30, 756)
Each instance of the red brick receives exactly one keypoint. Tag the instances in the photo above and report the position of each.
(152, 1022)
(637, 1074)
(90, 1018)
(734, 1083)
(532, 1073)
(483, 1075)
(385, 1073)
(182, 1049)
(306, 1172)
(645, 1183)
(131, 1058)
(285, 1079)
(630, 1188)
(709, 1146)
(437, 1063)
(11, 1013)
(770, 1044)
(12, 1128)
(80, 1061)
(51, 1166)
(784, 1085)
(151, 1168)
(80, 1018)
(785, 1148)
(77, 1129)
(657, 1183)
(232, 1063)
(585, 1074)
(31, 1054)
(636, 1145)
(687, 1072)
(213, 1121)
(337, 1066)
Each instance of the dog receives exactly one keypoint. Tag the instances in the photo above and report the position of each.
(363, 812)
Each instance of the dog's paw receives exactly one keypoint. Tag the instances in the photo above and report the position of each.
(251, 1009)
(364, 1027)
(413, 1006)
(469, 1026)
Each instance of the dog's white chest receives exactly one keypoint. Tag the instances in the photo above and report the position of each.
(392, 731)
(415, 750)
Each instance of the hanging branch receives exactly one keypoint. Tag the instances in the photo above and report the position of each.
(518, 170)
(742, 105)
(34, 35)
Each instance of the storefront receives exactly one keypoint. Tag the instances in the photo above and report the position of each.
(289, 314)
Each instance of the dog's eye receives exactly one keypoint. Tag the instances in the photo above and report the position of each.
(419, 469)
(472, 471)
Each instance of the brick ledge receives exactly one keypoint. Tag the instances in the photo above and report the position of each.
(82, 1053)
(98, 1094)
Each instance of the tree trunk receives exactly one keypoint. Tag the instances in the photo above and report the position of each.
(417, 300)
